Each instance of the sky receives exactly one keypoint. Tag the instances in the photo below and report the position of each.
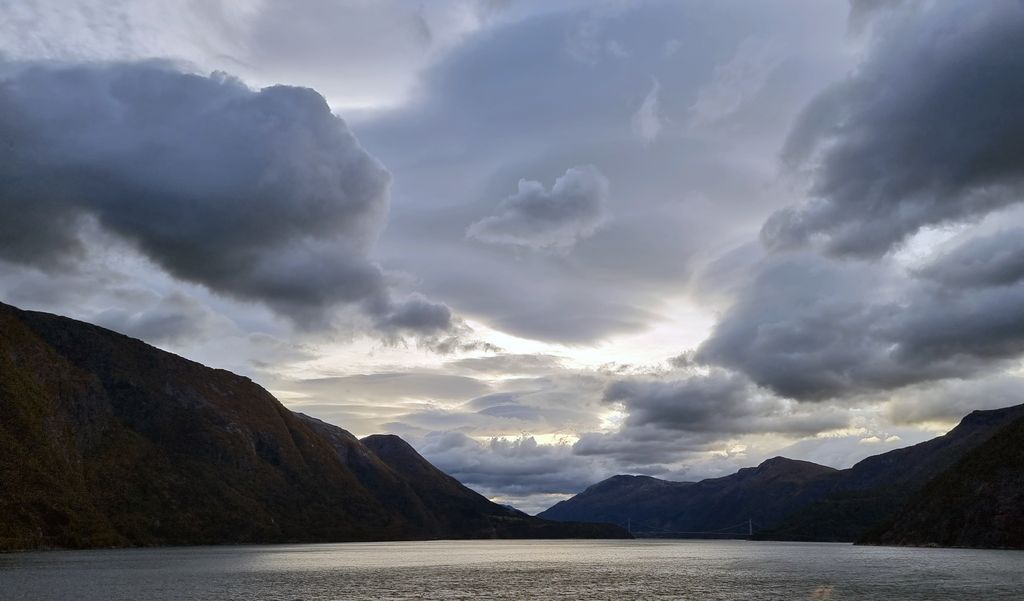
(545, 242)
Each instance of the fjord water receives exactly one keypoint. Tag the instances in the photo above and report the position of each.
(636, 569)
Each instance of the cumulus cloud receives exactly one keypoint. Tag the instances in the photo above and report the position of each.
(924, 132)
(261, 195)
(574, 208)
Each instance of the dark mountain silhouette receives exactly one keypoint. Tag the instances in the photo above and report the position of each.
(978, 502)
(107, 441)
(795, 500)
(872, 490)
(765, 494)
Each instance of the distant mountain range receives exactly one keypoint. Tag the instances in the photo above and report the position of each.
(965, 488)
(107, 441)
(764, 494)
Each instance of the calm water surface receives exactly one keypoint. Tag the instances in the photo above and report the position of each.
(640, 569)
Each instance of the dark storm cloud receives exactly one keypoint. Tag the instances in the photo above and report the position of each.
(954, 331)
(812, 329)
(537, 218)
(417, 314)
(992, 260)
(711, 403)
(259, 195)
(718, 402)
(926, 131)
(262, 195)
(804, 328)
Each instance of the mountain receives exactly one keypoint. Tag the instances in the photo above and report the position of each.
(795, 500)
(107, 441)
(977, 502)
(764, 494)
(866, 494)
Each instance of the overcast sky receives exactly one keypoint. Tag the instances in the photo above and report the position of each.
(546, 242)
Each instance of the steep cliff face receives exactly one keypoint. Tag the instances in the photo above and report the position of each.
(107, 441)
(977, 502)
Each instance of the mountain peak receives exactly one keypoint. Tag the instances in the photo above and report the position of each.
(792, 465)
(778, 461)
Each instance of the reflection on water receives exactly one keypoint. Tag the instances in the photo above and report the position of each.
(641, 569)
